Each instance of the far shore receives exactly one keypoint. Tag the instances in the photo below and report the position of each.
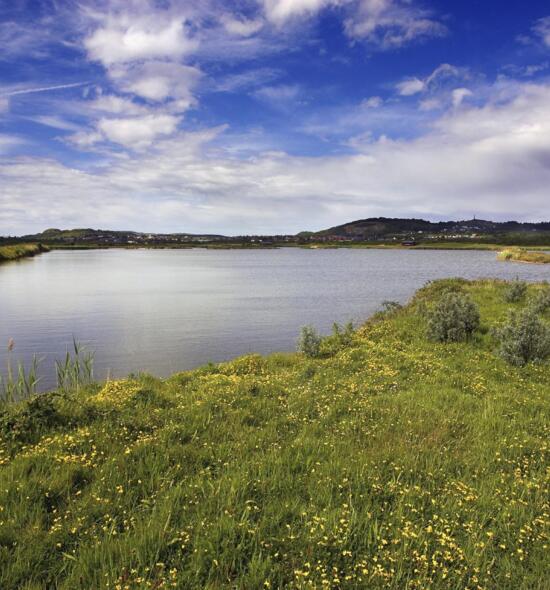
(515, 253)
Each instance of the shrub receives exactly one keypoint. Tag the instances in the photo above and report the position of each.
(540, 301)
(309, 342)
(515, 291)
(390, 307)
(524, 338)
(343, 334)
(454, 318)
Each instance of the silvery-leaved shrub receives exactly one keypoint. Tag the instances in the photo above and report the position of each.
(309, 342)
(540, 301)
(453, 318)
(524, 338)
(515, 291)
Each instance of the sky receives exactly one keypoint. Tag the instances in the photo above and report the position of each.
(271, 116)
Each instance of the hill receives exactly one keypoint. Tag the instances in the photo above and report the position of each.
(390, 462)
(377, 228)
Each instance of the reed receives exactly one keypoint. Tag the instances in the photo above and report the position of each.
(19, 383)
(76, 369)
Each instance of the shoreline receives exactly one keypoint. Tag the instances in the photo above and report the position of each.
(289, 459)
(19, 251)
(493, 247)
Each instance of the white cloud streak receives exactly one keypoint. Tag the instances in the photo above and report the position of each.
(41, 89)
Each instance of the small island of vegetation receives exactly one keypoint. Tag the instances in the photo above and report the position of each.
(523, 255)
(411, 452)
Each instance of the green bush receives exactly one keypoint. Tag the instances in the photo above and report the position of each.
(390, 307)
(309, 342)
(524, 338)
(540, 301)
(343, 334)
(454, 318)
(515, 291)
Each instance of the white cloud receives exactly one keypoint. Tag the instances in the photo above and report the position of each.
(387, 24)
(158, 81)
(242, 27)
(125, 39)
(373, 102)
(411, 86)
(443, 72)
(33, 90)
(473, 159)
(55, 122)
(138, 132)
(4, 105)
(117, 105)
(542, 29)
(392, 23)
(430, 104)
(8, 142)
(279, 11)
(279, 96)
(246, 79)
(459, 94)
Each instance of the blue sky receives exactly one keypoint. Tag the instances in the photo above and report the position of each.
(264, 116)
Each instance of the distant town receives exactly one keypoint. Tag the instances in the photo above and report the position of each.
(382, 230)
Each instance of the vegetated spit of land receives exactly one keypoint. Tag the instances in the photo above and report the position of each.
(17, 251)
(391, 462)
(523, 255)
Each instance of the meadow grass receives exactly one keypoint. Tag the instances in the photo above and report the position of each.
(16, 251)
(523, 255)
(387, 462)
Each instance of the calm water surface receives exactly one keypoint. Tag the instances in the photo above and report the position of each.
(168, 310)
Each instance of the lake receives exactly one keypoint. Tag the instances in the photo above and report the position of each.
(164, 311)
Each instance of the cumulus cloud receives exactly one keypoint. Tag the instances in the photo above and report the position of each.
(138, 132)
(158, 81)
(476, 158)
(125, 38)
(142, 47)
(279, 11)
(117, 105)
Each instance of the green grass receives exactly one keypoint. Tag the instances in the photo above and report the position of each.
(389, 462)
(522, 255)
(17, 251)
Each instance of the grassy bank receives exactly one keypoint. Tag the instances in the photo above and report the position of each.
(389, 462)
(522, 255)
(17, 251)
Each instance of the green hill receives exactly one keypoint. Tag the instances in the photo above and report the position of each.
(389, 462)
(378, 228)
